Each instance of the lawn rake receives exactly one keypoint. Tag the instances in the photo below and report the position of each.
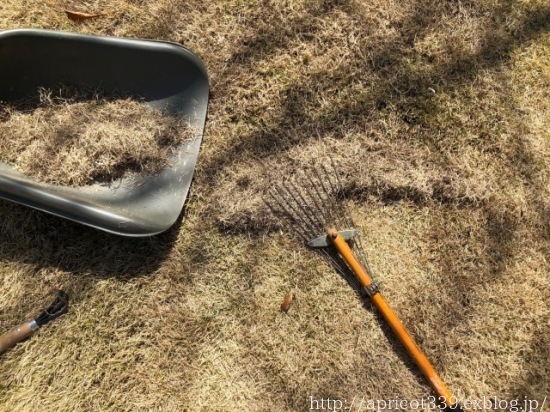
(59, 307)
(310, 203)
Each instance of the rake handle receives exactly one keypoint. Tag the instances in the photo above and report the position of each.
(16, 335)
(391, 317)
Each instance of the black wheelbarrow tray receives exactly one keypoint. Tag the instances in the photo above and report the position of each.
(164, 75)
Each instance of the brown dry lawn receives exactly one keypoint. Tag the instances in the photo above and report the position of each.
(439, 114)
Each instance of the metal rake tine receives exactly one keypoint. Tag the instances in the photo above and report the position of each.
(59, 307)
(338, 188)
(293, 216)
(289, 217)
(326, 216)
(301, 207)
(299, 212)
(307, 211)
(331, 203)
(313, 208)
(360, 249)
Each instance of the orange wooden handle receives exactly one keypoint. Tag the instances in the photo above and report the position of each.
(13, 337)
(418, 356)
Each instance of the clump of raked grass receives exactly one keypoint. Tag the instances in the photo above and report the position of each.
(77, 138)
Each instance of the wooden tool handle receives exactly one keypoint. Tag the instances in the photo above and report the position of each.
(13, 337)
(387, 312)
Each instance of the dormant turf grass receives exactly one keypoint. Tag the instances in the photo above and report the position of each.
(438, 114)
(77, 137)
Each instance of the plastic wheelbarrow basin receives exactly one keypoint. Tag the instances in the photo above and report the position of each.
(164, 75)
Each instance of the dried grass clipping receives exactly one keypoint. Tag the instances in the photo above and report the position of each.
(79, 140)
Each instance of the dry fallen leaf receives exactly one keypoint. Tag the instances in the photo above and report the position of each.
(78, 16)
(285, 306)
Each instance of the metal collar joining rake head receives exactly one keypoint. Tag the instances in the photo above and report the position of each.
(311, 203)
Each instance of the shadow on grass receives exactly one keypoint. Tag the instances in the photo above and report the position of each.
(36, 238)
(46, 244)
(401, 87)
(536, 382)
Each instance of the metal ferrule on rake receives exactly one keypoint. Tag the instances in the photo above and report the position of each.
(310, 203)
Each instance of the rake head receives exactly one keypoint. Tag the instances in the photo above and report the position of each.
(311, 202)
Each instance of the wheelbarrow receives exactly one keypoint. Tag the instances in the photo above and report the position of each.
(166, 76)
